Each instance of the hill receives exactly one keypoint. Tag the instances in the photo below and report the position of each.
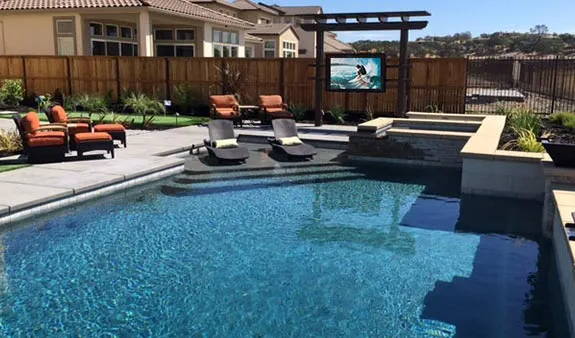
(537, 42)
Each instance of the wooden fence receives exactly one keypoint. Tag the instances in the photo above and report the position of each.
(434, 82)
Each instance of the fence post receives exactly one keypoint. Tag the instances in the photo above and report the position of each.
(554, 90)
(118, 81)
(24, 76)
(282, 79)
(69, 71)
(168, 87)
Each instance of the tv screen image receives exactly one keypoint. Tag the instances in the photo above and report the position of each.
(356, 72)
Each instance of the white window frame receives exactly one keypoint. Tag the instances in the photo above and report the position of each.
(106, 31)
(96, 23)
(174, 45)
(291, 49)
(165, 29)
(267, 49)
(183, 29)
(120, 42)
(252, 51)
(221, 44)
(131, 33)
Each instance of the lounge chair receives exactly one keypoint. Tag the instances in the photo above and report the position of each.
(58, 115)
(225, 107)
(222, 144)
(42, 143)
(273, 107)
(287, 141)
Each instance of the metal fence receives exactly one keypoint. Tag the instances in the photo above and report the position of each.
(545, 85)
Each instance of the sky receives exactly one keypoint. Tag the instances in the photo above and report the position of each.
(455, 16)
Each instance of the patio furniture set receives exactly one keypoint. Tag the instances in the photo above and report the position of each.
(227, 107)
(51, 142)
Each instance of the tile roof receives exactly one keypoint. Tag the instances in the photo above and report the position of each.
(332, 44)
(185, 7)
(299, 10)
(221, 2)
(271, 29)
(250, 5)
(251, 38)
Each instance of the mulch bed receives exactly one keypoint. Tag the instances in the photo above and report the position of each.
(552, 131)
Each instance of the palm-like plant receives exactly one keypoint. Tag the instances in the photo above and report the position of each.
(143, 105)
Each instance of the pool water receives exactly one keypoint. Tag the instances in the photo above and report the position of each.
(317, 250)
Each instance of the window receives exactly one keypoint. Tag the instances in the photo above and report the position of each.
(65, 36)
(226, 44)
(164, 34)
(264, 21)
(96, 29)
(112, 31)
(129, 49)
(114, 48)
(98, 47)
(168, 50)
(270, 49)
(126, 33)
(185, 34)
(289, 49)
(249, 52)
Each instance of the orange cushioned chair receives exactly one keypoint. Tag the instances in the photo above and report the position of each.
(93, 141)
(75, 125)
(273, 107)
(224, 107)
(42, 143)
(117, 131)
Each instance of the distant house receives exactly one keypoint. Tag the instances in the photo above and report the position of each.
(174, 28)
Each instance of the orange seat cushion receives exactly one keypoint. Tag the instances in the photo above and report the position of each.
(92, 137)
(229, 113)
(60, 134)
(223, 101)
(74, 128)
(31, 122)
(109, 127)
(45, 141)
(59, 114)
(271, 101)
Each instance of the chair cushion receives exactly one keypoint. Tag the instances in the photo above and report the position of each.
(47, 134)
(31, 122)
(92, 137)
(226, 113)
(59, 114)
(78, 128)
(226, 143)
(109, 127)
(223, 101)
(271, 101)
(45, 141)
(290, 141)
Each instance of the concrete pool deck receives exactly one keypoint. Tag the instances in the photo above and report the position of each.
(150, 155)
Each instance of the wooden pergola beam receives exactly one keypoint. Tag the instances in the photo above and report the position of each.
(367, 15)
(368, 26)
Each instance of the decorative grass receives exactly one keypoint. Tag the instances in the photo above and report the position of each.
(9, 167)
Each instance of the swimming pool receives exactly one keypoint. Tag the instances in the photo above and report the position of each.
(320, 249)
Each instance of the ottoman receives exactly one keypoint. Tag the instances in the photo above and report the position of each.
(117, 131)
(94, 141)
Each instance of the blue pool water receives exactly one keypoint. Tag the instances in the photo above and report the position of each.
(322, 250)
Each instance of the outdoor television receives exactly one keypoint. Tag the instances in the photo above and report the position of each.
(355, 72)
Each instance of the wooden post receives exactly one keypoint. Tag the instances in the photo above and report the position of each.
(24, 76)
(118, 81)
(319, 75)
(282, 79)
(168, 86)
(403, 74)
(69, 71)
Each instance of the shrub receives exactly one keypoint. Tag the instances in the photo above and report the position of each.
(10, 142)
(298, 111)
(12, 92)
(524, 119)
(44, 103)
(338, 114)
(145, 106)
(565, 119)
(93, 104)
(186, 97)
(230, 80)
(527, 141)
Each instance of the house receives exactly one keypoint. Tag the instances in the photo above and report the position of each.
(172, 28)
(280, 40)
(296, 15)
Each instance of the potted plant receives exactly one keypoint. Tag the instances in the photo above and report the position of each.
(560, 142)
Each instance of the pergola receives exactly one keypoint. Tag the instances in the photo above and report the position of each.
(364, 22)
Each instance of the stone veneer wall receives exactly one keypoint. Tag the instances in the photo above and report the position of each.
(409, 149)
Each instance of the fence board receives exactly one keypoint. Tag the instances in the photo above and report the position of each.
(439, 82)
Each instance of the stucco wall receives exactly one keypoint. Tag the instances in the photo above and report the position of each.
(307, 42)
(29, 34)
(290, 36)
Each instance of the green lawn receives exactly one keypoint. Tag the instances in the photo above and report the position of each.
(8, 167)
(159, 122)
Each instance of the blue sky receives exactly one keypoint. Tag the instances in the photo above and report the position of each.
(453, 16)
